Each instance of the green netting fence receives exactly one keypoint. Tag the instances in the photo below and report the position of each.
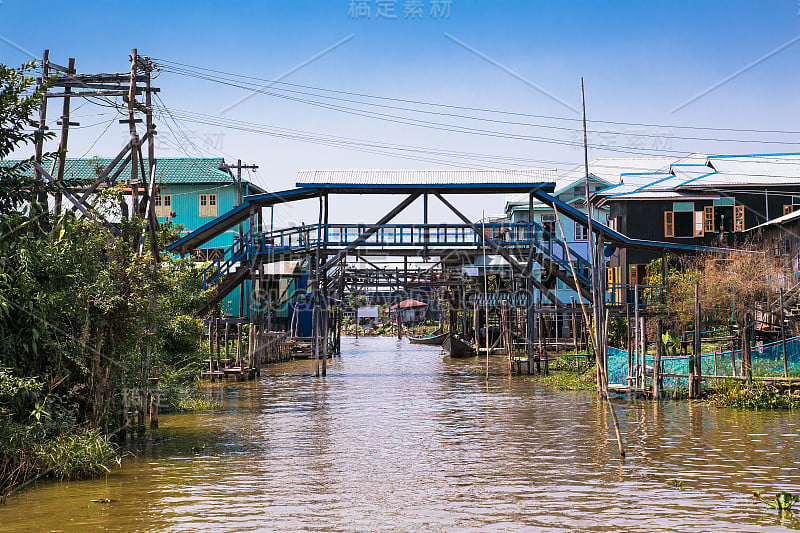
(767, 360)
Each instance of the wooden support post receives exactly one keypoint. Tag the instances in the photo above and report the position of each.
(397, 314)
(141, 408)
(313, 274)
(530, 323)
(210, 350)
(643, 344)
(239, 344)
(154, 400)
(695, 364)
(227, 345)
(573, 325)
(783, 337)
(217, 346)
(747, 339)
(657, 359)
(634, 357)
(324, 320)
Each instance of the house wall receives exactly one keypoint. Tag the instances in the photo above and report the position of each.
(644, 219)
(186, 206)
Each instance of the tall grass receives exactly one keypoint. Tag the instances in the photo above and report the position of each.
(83, 454)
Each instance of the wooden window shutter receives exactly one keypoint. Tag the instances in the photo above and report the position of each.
(787, 208)
(669, 224)
(708, 219)
(738, 218)
(698, 224)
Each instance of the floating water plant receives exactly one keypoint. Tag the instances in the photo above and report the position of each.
(782, 501)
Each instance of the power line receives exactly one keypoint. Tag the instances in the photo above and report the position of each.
(467, 108)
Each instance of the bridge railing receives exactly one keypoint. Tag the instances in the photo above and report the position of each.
(513, 236)
(225, 262)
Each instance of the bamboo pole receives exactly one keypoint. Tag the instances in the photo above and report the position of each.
(602, 374)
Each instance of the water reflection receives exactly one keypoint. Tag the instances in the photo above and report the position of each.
(400, 437)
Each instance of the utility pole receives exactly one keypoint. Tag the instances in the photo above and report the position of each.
(237, 180)
(150, 213)
(39, 196)
(131, 121)
(65, 123)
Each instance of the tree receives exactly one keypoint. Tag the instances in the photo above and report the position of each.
(18, 101)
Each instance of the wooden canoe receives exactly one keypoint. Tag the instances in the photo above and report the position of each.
(458, 348)
(433, 340)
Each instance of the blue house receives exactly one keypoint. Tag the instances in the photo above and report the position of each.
(571, 189)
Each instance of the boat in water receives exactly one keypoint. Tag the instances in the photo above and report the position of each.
(455, 347)
(430, 340)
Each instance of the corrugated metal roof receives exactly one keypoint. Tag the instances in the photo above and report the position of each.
(633, 182)
(168, 170)
(609, 169)
(660, 195)
(425, 177)
(794, 215)
(756, 169)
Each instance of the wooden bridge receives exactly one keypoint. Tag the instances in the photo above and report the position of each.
(325, 246)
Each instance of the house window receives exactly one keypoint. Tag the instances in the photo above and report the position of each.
(738, 218)
(669, 224)
(708, 219)
(581, 232)
(782, 246)
(208, 205)
(549, 225)
(615, 288)
(684, 223)
(637, 274)
(163, 205)
(698, 223)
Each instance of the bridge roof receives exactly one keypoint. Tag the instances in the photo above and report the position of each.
(448, 179)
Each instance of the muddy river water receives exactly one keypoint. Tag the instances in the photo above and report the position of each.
(400, 437)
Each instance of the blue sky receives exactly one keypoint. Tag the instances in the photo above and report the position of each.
(640, 60)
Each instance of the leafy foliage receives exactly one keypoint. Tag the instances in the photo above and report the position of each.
(18, 101)
(735, 394)
(783, 501)
(83, 315)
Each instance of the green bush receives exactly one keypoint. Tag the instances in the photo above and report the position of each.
(732, 393)
(17, 395)
(78, 455)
